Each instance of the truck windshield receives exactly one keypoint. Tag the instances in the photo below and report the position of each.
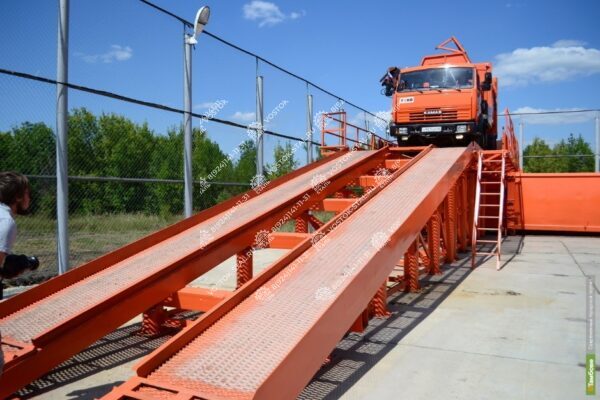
(436, 78)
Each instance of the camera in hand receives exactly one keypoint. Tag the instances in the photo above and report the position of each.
(16, 264)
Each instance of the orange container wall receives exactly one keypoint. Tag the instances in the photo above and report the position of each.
(566, 202)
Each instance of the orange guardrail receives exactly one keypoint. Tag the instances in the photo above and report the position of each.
(340, 131)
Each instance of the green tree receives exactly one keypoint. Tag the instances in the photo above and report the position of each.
(574, 146)
(534, 164)
(245, 167)
(84, 197)
(32, 152)
(211, 164)
(6, 145)
(124, 149)
(284, 161)
(167, 163)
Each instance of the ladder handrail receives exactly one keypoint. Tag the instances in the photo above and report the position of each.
(476, 211)
(501, 209)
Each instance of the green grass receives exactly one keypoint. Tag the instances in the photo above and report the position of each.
(89, 237)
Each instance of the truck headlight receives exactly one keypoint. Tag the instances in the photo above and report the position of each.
(404, 138)
(403, 130)
(461, 129)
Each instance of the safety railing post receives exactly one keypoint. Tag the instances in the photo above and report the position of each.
(309, 128)
(597, 157)
(259, 126)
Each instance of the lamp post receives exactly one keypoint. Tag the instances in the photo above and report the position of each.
(189, 41)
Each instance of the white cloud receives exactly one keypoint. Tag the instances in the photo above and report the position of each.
(115, 53)
(267, 13)
(296, 14)
(244, 116)
(205, 105)
(554, 116)
(569, 43)
(566, 59)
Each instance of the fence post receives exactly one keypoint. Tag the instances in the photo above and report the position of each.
(309, 128)
(187, 123)
(62, 110)
(521, 144)
(259, 126)
(597, 157)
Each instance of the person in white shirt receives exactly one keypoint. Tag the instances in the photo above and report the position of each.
(14, 199)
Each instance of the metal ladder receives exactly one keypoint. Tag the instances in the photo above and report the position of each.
(489, 205)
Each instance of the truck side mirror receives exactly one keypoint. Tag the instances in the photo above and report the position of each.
(487, 82)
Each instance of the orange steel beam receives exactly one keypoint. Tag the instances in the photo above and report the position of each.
(196, 299)
(395, 164)
(320, 322)
(286, 240)
(83, 325)
(337, 205)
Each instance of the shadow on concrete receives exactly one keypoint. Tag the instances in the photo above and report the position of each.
(93, 392)
(356, 354)
(511, 246)
(117, 348)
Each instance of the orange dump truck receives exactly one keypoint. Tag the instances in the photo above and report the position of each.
(447, 100)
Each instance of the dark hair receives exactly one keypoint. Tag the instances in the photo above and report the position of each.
(13, 186)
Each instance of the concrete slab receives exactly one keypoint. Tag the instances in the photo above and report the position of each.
(518, 333)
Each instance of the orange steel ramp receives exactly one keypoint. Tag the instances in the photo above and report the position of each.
(272, 343)
(49, 323)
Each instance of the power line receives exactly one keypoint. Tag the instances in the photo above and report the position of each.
(555, 112)
(251, 54)
(145, 103)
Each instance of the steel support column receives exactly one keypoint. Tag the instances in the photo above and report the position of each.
(433, 243)
(244, 266)
(302, 223)
(379, 303)
(462, 213)
(411, 269)
(450, 225)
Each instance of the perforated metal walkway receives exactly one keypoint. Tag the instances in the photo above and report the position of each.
(239, 356)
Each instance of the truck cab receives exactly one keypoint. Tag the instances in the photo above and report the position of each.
(447, 100)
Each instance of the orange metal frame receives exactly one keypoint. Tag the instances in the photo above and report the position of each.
(340, 132)
(442, 218)
(25, 362)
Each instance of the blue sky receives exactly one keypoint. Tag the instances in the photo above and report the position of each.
(545, 55)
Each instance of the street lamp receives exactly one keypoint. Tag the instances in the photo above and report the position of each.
(189, 41)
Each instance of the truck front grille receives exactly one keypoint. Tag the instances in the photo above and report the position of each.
(444, 116)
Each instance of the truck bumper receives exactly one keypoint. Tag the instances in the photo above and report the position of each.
(433, 130)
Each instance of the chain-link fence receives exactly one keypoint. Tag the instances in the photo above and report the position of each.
(558, 140)
(125, 142)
